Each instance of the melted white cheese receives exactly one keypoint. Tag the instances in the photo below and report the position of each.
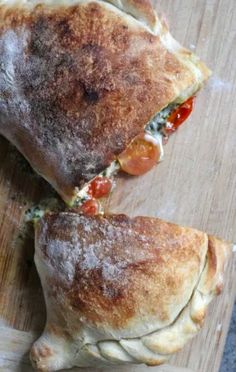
(156, 139)
(109, 172)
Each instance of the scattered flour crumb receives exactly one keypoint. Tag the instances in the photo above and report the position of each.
(192, 46)
(219, 327)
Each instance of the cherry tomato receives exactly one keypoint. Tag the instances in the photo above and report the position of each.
(179, 115)
(99, 187)
(140, 156)
(90, 207)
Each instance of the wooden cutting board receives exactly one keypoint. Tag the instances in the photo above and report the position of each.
(194, 186)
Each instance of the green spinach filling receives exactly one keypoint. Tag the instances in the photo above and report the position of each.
(159, 122)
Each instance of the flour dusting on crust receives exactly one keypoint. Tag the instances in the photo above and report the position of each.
(80, 246)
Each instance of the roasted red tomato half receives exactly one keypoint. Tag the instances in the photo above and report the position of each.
(179, 115)
(100, 187)
(140, 156)
(90, 207)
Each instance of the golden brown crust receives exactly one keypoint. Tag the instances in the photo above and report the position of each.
(121, 290)
(140, 9)
(87, 79)
(151, 257)
(217, 256)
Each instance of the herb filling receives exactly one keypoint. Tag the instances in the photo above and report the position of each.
(159, 122)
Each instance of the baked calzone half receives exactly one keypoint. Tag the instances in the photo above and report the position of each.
(122, 290)
(89, 87)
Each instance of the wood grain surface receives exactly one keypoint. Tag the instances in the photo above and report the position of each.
(194, 186)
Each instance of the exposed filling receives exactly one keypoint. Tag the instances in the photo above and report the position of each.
(146, 149)
(160, 122)
(139, 157)
(87, 199)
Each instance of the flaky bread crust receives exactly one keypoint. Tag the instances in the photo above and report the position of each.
(142, 10)
(121, 290)
(80, 79)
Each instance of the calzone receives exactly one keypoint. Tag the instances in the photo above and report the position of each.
(88, 87)
(122, 290)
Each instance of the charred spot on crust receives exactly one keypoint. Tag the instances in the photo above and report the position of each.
(90, 96)
(64, 27)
